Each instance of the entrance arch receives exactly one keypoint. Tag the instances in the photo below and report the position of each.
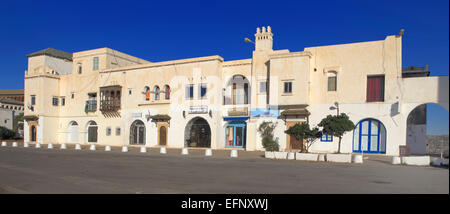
(369, 136)
(137, 133)
(72, 132)
(92, 132)
(418, 124)
(197, 133)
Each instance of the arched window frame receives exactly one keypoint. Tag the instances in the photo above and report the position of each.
(157, 92)
(167, 92)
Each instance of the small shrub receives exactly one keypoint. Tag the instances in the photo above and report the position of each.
(6, 133)
(270, 144)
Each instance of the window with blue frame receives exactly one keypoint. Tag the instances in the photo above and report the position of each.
(326, 138)
(189, 91)
(202, 90)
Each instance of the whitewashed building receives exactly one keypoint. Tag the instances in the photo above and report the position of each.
(103, 96)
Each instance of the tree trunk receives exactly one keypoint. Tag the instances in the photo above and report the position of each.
(339, 146)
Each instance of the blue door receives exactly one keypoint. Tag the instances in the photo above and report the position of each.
(235, 134)
(369, 136)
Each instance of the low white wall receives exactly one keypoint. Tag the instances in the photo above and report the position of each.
(416, 160)
(340, 158)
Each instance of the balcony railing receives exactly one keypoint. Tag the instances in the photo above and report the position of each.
(110, 98)
(109, 105)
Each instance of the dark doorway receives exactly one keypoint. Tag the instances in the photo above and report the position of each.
(198, 133)
(137, 133)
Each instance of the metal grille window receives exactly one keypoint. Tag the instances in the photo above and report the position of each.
(91, 103)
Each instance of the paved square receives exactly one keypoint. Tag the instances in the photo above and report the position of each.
(31, 170)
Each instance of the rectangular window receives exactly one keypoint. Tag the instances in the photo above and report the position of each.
(332, 83)
(79, 69)
(202, 89)
(33, 100)
(326, 138)
(375, 88)
(63, 101)
(108, 131)
(117, 131)
(55, 101)
(72, 95)
(190, 92)
(91, 103)
(263, 87)
(287, 87)
(95, 63)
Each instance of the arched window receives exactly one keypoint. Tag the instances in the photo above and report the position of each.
(167, 92)
(147, 93)
(156, 92)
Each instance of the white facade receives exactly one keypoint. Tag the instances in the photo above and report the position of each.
(212, 103)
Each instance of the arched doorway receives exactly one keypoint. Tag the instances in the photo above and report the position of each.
(137, 133)
(369, 136)
(33, 133)
(92, 132)
(427, 129)
(72, 132)
(197, 133)
(162, 136)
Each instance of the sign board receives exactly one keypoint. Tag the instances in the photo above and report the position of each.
(136, 115)
(264, 113)
(198, 110)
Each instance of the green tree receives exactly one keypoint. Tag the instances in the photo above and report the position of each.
(266, 129)
(18, 122)
(303, 131)
(337, 125)
(6, 133)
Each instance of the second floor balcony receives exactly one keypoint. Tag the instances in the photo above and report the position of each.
(110, 97)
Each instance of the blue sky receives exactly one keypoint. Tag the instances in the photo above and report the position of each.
(167, 30)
